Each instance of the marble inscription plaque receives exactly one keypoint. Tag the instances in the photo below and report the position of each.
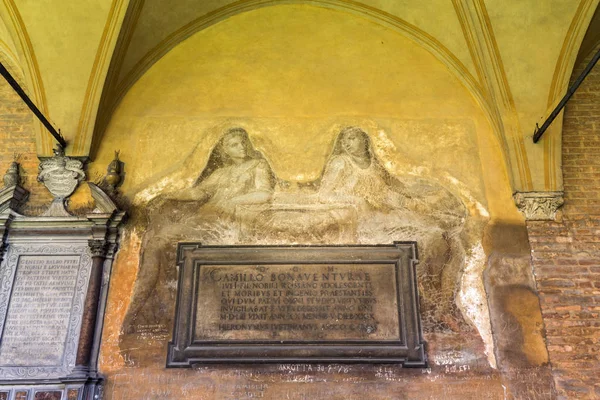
(39, 311)
(297, 304)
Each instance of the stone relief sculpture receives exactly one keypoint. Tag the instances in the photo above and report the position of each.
(393, 209)
(354, 174)
(236, 174)
(237, 199)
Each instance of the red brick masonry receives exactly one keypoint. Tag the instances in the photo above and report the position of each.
(566, 254)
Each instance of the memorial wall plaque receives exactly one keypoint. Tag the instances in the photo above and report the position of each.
(297, 304)
(39, 310)
(42, 291)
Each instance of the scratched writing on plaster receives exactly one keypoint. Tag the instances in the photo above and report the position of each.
(152, 331)
(249, 391)
(320, 368)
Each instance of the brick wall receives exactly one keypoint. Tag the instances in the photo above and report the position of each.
(18, 139)
(566, 254)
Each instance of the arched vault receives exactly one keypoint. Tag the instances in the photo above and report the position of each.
(77, 62)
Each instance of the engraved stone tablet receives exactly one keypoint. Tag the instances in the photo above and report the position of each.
(41, 299)
(297, 303)
(40, 307)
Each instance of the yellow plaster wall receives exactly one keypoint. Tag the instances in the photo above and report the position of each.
(530, 35)
(65, 47)
(437, 18)
(8, 52)
(66, 37)
(292, 75)
(158, 19)
(530, 77)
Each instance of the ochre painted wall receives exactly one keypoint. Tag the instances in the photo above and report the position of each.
(293, 77)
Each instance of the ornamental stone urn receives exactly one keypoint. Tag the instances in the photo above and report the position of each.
(61, 175)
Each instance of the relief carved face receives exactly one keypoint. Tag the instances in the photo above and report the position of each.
(354, 143)
(235, 147)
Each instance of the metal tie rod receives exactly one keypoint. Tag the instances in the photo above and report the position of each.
(539, 131)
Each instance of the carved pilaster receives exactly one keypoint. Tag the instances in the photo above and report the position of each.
(539, 206)
(98, 248)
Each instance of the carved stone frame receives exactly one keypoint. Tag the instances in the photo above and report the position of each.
(93, 237)
(184, 352)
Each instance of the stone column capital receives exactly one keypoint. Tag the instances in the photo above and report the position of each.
(539, 206)
(98, 248)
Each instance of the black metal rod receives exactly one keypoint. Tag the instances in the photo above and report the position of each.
(15, 85)
(539, 131)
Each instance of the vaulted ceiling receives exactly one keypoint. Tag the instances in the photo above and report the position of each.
(77, 59)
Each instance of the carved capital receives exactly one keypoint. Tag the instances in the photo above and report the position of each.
(539, 206)
(98, 248)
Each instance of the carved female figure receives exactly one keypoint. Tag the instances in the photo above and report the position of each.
(235, 174)
(394, 209)
(353, 174)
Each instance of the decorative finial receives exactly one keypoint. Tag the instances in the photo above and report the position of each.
(113, 173)
(12, 177)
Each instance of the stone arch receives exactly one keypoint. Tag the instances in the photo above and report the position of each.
(570, 52)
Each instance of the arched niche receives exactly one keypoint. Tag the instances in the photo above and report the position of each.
(301, 63)
(293, 76)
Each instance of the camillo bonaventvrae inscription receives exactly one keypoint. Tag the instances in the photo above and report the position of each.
(300, 302)
(237, 199)
(297, 303)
